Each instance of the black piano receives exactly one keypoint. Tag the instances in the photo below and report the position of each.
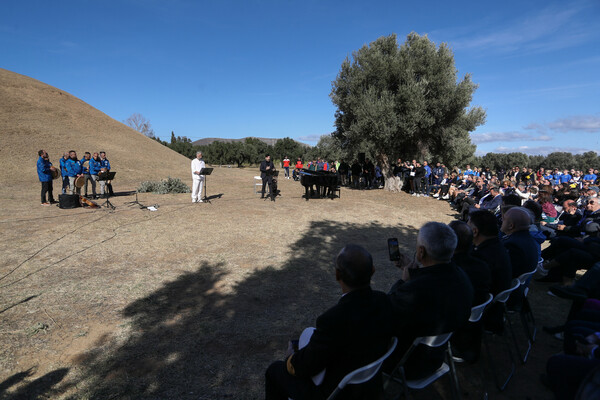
(321, 183)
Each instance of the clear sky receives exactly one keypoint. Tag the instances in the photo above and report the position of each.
(264, 68)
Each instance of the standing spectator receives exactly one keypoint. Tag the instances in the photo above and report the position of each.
(286, 167)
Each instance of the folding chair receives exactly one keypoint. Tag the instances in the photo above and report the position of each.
(526, 314)
(257, 184)
(477, 311)
(501, 298)
(430, 341)
(363, 374)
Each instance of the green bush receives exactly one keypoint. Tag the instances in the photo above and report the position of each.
(169, 185)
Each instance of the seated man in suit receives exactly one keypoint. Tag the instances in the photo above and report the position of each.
(433, 297)
(350, 335)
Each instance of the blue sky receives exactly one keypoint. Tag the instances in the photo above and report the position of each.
(264, 68)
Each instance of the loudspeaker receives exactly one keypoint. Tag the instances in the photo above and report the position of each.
(361, 158)
(68, 201)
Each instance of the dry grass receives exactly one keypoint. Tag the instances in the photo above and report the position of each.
(191, 301)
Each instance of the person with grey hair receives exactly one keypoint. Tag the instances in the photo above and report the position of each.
(521, 246)
(433, 297)
(197, 179)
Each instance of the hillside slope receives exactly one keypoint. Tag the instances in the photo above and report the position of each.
(34, 115)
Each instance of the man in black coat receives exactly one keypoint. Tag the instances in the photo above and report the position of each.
(266, 173)
(433, 297)
(466, 341)
(522, 248)
(489, 249)
(350, 335)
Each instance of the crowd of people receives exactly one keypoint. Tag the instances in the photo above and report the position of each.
(90, 168)
(509, 223)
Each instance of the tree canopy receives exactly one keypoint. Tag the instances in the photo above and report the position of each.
(405, 101)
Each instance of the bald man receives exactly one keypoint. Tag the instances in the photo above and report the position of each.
(521, 246)
(351, 334)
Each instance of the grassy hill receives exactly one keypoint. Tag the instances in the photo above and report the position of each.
(34, 115)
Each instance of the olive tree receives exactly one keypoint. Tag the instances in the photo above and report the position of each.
(405, 101)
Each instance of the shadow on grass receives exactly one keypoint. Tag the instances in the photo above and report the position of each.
(198, 338)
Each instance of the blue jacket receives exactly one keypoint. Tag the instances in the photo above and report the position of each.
(94, 166)
(43, 170)
(73, 168)
(85, 170)
(105, 164)
(63, 166)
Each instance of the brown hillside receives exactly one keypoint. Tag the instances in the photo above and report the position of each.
(34, 115)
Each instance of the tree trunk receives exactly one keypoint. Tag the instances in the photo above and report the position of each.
(391, 182)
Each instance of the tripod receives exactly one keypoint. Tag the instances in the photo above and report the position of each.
(136, 202)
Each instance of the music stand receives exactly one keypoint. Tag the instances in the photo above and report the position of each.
(108, 176)
(205, 172)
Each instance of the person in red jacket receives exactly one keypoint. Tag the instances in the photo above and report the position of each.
(286, 167)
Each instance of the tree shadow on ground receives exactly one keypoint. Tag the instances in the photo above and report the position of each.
(42, 387)
(197, 338)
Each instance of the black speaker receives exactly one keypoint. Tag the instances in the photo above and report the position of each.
(68, 201)
(361, 158)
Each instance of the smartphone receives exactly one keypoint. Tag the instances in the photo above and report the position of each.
(393, 249)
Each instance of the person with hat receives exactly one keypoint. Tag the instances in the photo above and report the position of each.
(44, 170)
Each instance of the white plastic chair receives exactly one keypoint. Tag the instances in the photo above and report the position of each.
(526, 314)
(257, 184)
(363, 374)
(477, 311)
(501, 298)
(430, 341)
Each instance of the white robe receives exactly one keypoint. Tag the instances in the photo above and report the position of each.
(197, 180)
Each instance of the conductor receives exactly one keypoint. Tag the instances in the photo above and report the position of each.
(266, 173)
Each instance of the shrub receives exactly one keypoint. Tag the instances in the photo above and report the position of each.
(169, 185)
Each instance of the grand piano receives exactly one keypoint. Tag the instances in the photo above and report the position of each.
(324, 182)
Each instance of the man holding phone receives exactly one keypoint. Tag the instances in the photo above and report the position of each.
(434, 296)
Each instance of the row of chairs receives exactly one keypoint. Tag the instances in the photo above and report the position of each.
(367, 372)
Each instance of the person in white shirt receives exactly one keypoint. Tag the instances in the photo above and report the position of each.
(198, 180)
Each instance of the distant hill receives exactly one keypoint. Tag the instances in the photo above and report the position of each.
(207, 141)
(34, 116)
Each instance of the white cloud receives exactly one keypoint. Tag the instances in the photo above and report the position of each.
(550, 29)
(313, 139)
(491, 137)
(540, 150)
(575, 123)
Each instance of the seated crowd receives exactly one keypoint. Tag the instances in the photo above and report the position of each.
(504, 221)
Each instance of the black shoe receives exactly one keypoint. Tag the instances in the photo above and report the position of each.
(569, 292)
(262, 197)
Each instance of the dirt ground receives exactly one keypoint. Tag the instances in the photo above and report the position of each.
(193, 301)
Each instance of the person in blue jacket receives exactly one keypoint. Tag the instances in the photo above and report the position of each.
(44, 170)
(105, 165)
(74, 170)
(94, 168)
(63, 171)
